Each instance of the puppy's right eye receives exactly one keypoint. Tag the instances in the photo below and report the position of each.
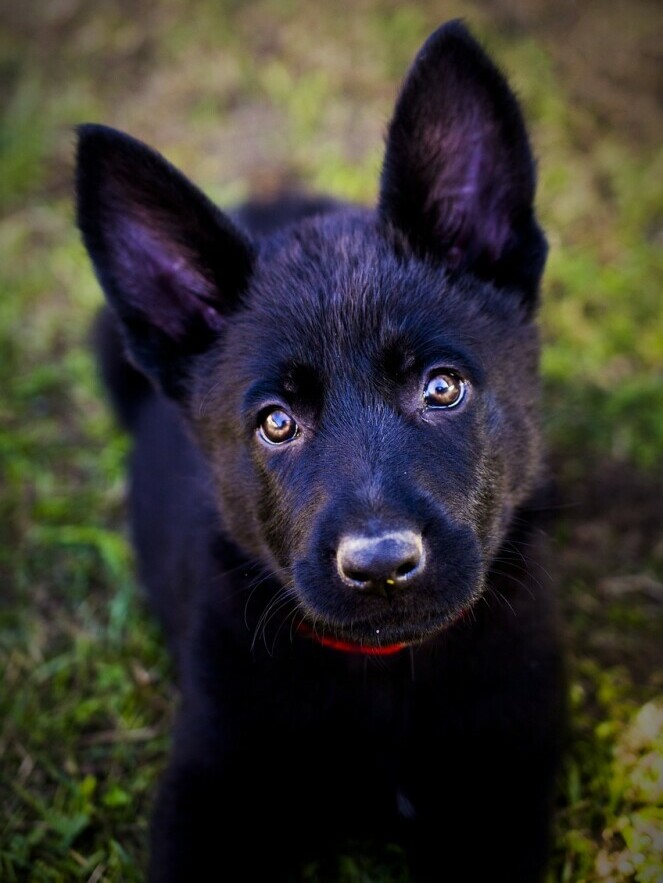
(444, 390)
(278, 427)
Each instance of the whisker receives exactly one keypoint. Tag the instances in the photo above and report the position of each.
(274, 604)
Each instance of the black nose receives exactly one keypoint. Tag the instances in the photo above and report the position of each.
(380, 563)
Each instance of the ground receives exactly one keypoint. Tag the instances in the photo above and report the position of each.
(245, 97)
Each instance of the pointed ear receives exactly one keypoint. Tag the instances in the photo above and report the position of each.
(458, 177)
(170, 263)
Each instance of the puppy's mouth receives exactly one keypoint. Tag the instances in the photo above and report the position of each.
(368, 640)
(350, 645)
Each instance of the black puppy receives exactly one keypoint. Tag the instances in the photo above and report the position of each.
(336, 457)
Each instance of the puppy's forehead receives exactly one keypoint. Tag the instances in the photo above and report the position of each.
(338, 269)
(337, 285)
(337, 291)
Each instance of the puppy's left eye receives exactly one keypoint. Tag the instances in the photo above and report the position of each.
(278, 427)
(445, 390)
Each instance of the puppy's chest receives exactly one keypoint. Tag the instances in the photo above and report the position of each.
(365, 740)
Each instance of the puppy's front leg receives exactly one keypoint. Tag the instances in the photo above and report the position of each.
(210, 825)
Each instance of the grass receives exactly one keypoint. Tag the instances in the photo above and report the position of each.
(245, 97)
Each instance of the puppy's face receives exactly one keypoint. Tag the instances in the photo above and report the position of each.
(364, 383)
(370, 419)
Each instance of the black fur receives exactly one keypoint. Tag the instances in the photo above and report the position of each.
(257, 555)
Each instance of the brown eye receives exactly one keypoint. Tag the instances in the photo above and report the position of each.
(278, 427)
(444, 390)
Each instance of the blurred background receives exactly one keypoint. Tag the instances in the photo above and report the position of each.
(246, 97)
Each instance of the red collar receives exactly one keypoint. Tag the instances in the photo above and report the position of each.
(349, 646)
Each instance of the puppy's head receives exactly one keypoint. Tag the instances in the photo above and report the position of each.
(364, 383)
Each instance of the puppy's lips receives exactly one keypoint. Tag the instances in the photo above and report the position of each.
(351, 646)
(370, 641)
